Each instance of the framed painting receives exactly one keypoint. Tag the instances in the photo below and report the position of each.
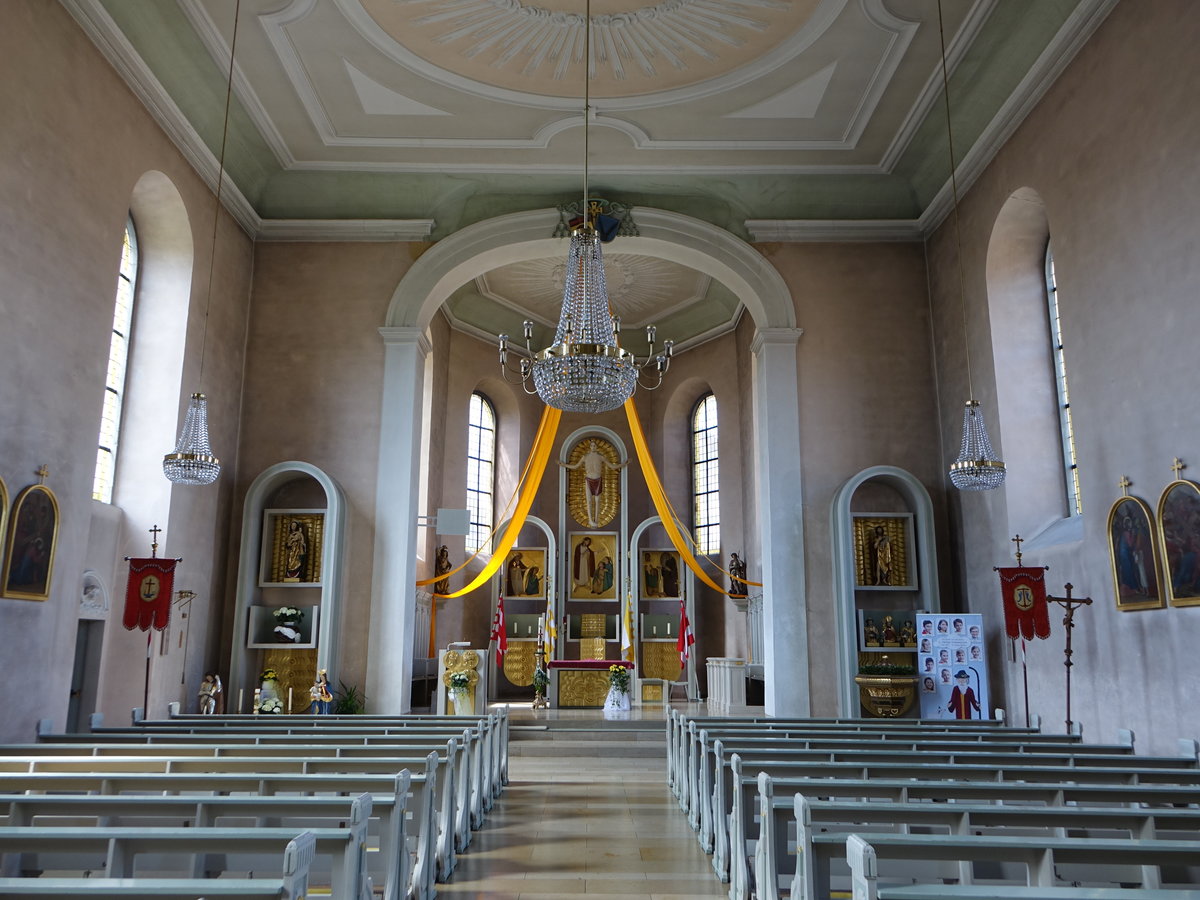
(659, 577)
(32, 539)
(292, 541)
(883, 552)
(524, 573)
(1133, 554)
(592, 565)
(3, 509)
(1179, 531)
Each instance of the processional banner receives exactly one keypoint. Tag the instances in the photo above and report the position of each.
(1026, 612)
(148, 593)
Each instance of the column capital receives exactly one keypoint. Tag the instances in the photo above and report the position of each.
(779, 336)
(406, 334)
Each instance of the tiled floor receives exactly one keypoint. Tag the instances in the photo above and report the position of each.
(603, 826)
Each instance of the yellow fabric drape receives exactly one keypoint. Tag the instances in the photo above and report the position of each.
(543, 446)
(662, 503)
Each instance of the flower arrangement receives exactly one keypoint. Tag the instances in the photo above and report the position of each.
(288, 614)
(271, 706)
(459, 682)
(541, 681)
(886, 669)
(268, 675)
(618, 678)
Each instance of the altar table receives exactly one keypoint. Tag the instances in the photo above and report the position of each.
(581, 683)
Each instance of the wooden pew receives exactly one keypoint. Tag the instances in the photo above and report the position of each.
(1040, 859)
(426, 819)
(772, 861)
(292, 885)
(391, 866)
(120, 846)
(776, 805)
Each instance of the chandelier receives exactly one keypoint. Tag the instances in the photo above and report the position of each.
(977, 468)
(192, 461)
(586, 369)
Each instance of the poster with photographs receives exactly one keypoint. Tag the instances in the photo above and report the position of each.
(952, 666)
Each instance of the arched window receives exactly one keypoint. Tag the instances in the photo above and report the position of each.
(114, 382)
(481, 458)
(706, 497)
(1070, 464)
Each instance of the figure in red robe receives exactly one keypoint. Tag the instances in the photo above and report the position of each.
(962, 698)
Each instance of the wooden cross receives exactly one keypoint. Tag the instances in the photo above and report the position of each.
(1018, 540)
(1124, 484)
(1177, 467)
(1070, 604)
(41, 472)
(154, 540)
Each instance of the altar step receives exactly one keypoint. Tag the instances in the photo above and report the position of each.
(636, 739)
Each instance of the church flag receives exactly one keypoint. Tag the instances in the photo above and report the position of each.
(1026, 612)
(627, 630)
(551, 634)
(684, 643)
(148, 593)
(499, 634)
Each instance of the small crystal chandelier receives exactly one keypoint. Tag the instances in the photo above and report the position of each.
(193, 462)
(977, 468)
(586, 369)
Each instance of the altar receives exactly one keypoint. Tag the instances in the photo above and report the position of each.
(580, 683)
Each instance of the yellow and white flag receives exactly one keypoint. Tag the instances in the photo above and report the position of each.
(551, 633)
(627, 630)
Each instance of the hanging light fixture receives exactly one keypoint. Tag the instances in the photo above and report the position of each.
(977, 468)
(586, 369)
(192, 461)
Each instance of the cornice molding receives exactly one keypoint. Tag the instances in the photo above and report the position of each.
(833, 231)
(341, 230)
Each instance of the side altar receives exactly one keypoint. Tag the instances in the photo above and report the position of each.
(580, 683)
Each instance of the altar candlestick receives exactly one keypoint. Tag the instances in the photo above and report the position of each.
(240, 692)
(289, 701)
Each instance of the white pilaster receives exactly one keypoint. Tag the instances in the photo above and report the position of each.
(393, 582)
(780, 504)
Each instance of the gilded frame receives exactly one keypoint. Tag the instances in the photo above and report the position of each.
(277, 569)
(3, 510)
(1133, 556)
(31, 544)
(1179, 536)
(592, 583)
(657, 584)
(532, 565)
(897, 529)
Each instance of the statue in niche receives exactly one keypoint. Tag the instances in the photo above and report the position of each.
(296, 552)
(737, 576)
(881, 545)
(593, 494)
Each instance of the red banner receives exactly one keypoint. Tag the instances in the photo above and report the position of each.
(148, 593)
(499, 635)
(686, 638)
(1026, 612)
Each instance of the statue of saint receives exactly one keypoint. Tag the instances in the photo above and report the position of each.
(594, 465)
(737, 576)
(319, 692)
(441, 566)
(210, 691)
(881, 545)
(296, 552)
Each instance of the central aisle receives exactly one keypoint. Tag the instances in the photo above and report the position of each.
(604, 826)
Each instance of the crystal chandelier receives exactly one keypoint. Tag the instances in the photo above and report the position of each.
(193, 462)
(586, 369)
(977, 468)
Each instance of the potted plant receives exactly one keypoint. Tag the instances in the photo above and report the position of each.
(541, 686)
(886, 690)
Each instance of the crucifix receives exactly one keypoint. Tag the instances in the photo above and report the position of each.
(154, 532)
(1018, 540)
(1070, 604)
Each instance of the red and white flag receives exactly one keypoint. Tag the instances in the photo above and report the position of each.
(684, 643)
(499, 635)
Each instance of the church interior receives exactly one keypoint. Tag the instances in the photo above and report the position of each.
(322, 214)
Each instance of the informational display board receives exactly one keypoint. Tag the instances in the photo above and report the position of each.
(952, 678)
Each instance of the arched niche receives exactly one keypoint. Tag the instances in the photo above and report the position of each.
(655, 608)
(523, 612)
(299, 485)
(903, 494)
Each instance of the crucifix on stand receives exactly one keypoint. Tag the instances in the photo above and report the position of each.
(1070, 604)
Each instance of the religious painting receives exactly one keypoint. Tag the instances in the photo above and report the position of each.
(1134, 556)
(524, 573)
(3, 509)
(1179, 531)
(32, 536)
(593, 482)
(592, 565)
(294, 554)
(883, 552)
(660, 575)
(887, 628)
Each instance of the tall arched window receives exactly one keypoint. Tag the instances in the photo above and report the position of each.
(706, 497)
(481, 459)
(114, 382)
(1070, 463)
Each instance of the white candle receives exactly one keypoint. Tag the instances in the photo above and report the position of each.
(668, 629)
(239, 706)
(289, 700)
